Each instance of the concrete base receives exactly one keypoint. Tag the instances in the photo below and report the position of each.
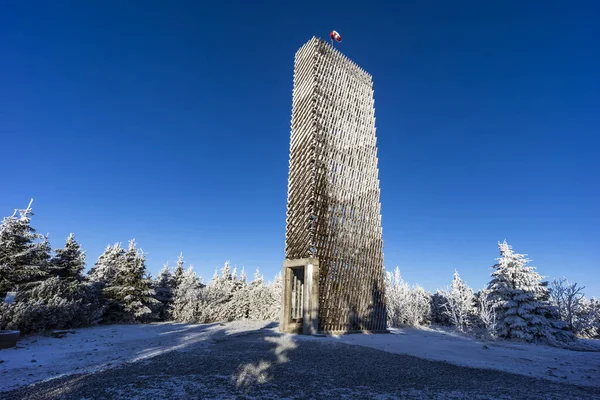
(9, 339)
(309, 324)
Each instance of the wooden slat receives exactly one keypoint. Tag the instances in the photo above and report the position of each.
(334, 211)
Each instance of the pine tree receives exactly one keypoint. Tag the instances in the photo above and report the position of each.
(51, 295)
(131, 292)
(459, 302)
(164, 287)
(276, 294)
(226, 272)
(243, 277)
(259, 298)
(438, 309)
(522, 299)
(69, 262)
(258, 279)
(240, 301)
(186, 298)
(178, 272)
(106, 267)
(23, 258)
(233, 299)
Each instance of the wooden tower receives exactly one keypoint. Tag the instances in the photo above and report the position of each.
(333, 272)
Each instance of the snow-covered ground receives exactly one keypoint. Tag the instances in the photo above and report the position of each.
(38, 358)
(567, 366)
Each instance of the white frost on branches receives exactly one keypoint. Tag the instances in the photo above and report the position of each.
(524, 310)
(406, 305)
(458, 304)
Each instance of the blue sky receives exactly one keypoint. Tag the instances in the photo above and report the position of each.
(170, 123)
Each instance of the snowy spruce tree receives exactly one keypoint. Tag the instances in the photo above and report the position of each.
(221, 300)
(524, 310)
(458, 304)
(164, 290)
(438, 309)
(259, 298)
(276, 295)
(186, 298)
(55, 303)
(51, 293)
(264, 300)
(179, 271)
(130, 294)
(106, 267)
(239, 306)
(24, 253)
(68, 262)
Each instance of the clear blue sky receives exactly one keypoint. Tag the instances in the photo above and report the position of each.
(170, 123)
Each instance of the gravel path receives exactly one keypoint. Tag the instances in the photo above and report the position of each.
(263, 364)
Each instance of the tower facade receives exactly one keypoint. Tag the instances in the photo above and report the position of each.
(333, 273)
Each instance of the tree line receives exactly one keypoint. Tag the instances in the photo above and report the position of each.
(517, 303)
(52, 291)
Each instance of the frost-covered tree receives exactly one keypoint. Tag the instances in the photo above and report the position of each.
(55, 303)
(130, 294)
(226, 272)
(485, 312)
(24, 253)
(62, 301)
(276, 294)
(259, 298)
(240, 301)
(186, 298)
(568, 298)
(586, 322)
(396, 293)
(179, 271)
(68, 262)
(51, 293)
(221, 300)
(524, 311)
(438, 309)
(406, 305)
(580, 314)
(458, 304)
(164, 287)
(258, 280)
(108, 264)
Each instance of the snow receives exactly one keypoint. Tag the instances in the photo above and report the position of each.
(565, 366)
(97, 348)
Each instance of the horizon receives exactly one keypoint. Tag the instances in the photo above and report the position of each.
(175, 131)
